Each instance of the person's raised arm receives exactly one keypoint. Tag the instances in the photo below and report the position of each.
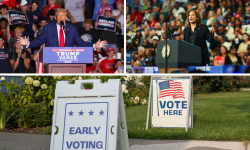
(209, 34)
(8, 30)
(71, 17)
(36, 55)
(36, 42)
(117, 17)
(83, 12)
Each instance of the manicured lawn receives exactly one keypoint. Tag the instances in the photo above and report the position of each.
(217, 116)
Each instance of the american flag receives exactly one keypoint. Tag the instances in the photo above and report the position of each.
(171, 88)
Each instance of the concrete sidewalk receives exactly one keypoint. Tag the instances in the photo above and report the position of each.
(23, 141)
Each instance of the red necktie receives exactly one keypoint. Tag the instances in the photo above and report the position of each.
(61, 38)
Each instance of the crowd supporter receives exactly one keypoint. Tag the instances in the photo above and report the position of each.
(229, 18)
(129, 22)
(95, 67)
(21, 59)
(214, 51)
(4, 11)
(87, 30)
(35, 12)
(51, 16)
(3, 29)
(4, 57)
(152, 21)
(76, 12)
(118, 66)
(232, 58)
(28, 29)
(118, 13)
(51, 5)
(245, 41)
(101, 6)
(41, 4)
(104, 34)
(136, 15)
(107, 65)
(220, 59)
(138, 38)
(80, 13)
(42, 22)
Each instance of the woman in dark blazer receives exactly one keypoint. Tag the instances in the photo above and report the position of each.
(197, 33)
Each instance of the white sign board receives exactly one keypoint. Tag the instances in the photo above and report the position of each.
(171, 102)
(88, 118)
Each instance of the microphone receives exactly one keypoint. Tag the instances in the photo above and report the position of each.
(62, 23)
(175, 29)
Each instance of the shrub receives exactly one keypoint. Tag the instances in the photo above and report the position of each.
(208, 84)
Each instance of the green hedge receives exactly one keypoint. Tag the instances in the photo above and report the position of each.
(210, 84)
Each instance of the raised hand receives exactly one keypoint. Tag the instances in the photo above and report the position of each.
(212, 30)
(23, 55)
(23, 41)
(100, 44)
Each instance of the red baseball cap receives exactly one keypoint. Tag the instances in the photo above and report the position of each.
(108, 9)
(111, 49)
(121, 1)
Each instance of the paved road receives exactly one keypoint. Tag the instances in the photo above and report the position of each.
(23, 141)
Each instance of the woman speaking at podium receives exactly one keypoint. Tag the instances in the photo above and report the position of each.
(197, 33)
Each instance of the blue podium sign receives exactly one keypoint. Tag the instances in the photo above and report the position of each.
(219, 69)
(71, 55)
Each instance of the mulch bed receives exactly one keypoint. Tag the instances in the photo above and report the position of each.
(24, 130)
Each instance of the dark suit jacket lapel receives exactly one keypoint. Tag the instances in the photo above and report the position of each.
(56, 35)
(187, 34)
(198, 30)
(67, 34)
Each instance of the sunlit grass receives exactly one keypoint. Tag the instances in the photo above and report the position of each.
(217, 116)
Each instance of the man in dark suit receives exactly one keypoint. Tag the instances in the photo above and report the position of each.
(53, 35)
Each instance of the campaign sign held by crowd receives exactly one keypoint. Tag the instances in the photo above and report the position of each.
(18, 17)
(106, 23)
(66, 55)
(171, 105)
(89, 118)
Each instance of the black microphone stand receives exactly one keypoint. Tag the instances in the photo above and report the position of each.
(166, 56)
(13, 50)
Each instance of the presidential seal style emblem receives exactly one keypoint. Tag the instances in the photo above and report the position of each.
(166, 50)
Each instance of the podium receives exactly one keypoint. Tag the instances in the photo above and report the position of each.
(66, 59)
(181, 54)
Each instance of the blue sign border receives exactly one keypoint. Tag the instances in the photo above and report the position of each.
(86, 103)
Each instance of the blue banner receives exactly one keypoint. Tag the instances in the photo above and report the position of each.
(18, 17)
(128, 57)
(146, 70)
(219, 69)
(71, 55)
(106, 23)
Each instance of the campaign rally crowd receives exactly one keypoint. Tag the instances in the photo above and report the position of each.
(148, 20)
(83, 14)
